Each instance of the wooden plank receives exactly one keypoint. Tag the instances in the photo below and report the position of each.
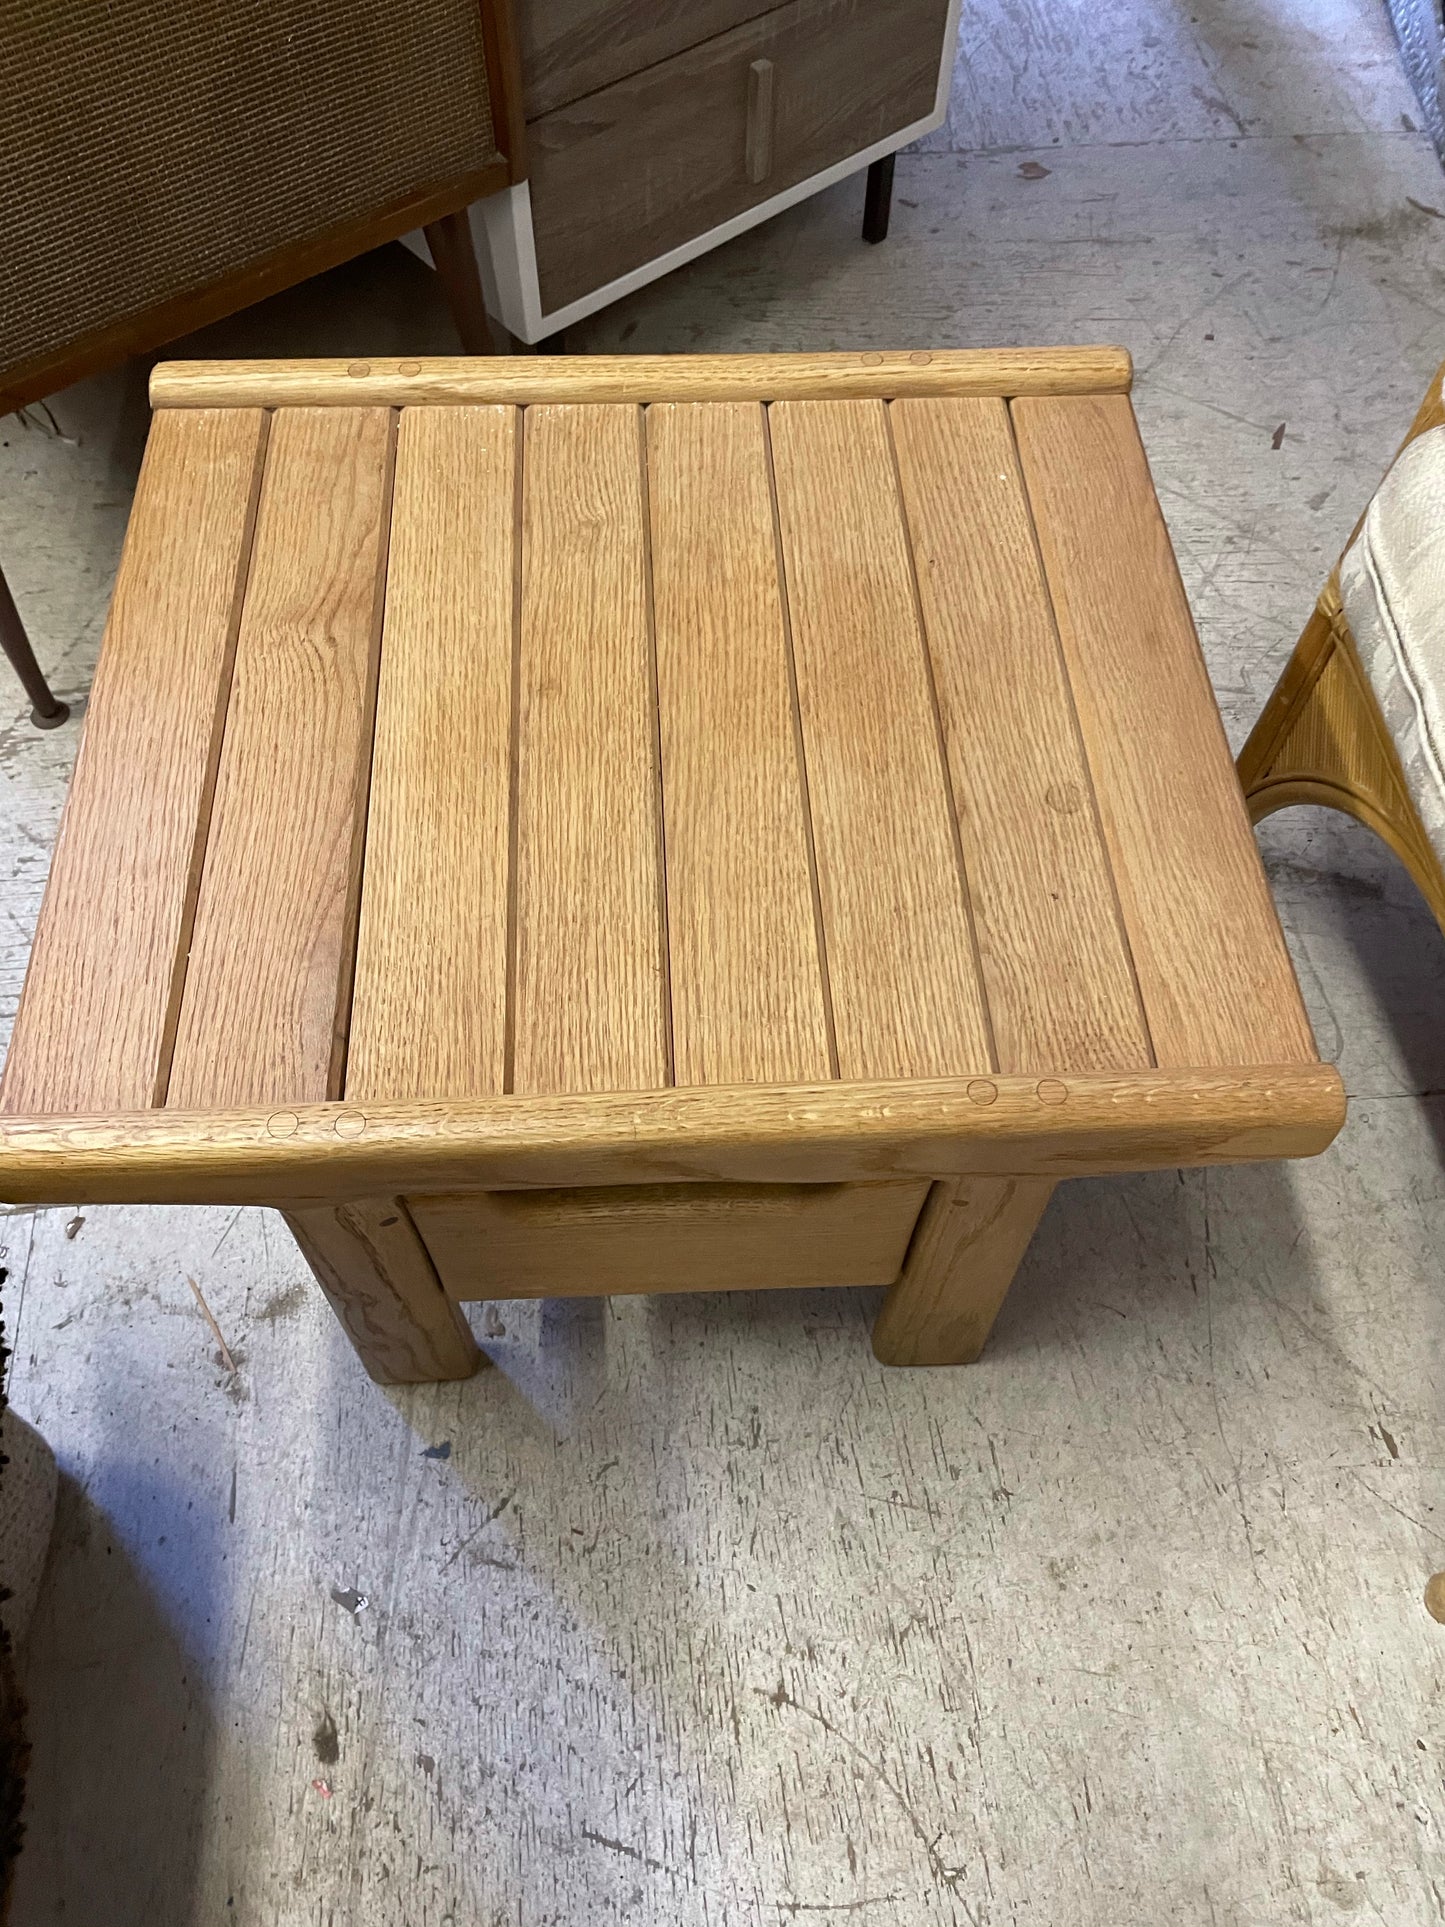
(1215, 976)
(526, 379)
(98, 1012)
(620, 1238)
(1010, 1126)
(747, 988)
(379, 1280)
(429, 1007)
(590, 999)
(263, 1014)
(907, 1001)
(1056, 968)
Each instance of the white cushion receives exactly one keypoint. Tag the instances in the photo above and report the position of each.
(1392, 585)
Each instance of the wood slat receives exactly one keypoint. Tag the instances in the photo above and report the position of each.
(1215, 976)
(747, 987)
(428, 1011)
(907, 1001)
(1060, 984)
(589, 1004)
(263, 1015)
(526, 379)
(98, 1012)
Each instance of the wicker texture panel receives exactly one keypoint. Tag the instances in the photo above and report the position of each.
(151, 147)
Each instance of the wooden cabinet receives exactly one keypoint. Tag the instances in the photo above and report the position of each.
(634, 171)
(658, 128)
(574, 47)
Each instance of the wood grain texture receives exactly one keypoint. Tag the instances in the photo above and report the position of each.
(1056, 968)
(1215, 976)
(748, 1001)
(573, 47)
(1322, 739)
(1009, 1126)
(664, 153)
(590, 999)
(969, 1241)
(906, 997)
(524, 379)
(380, 1282)
(429, 1007)
(98, 1012)
(263, 1013)
(667, 1237)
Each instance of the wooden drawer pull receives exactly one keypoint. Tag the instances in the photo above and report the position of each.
(759, 150)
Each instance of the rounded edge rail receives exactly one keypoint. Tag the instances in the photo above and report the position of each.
(389, 381)
(328, 1153)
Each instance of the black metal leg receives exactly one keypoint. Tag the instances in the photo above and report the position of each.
(47, 712)
(878, 200)
(455, 260)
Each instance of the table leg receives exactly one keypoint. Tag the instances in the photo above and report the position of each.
(380, 1282)
(878, 199)
(967, 1247)
(454, 257)
(47, 712)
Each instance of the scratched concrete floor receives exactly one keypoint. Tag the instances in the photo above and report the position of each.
(688, 1612)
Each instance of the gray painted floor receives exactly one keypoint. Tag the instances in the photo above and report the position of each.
(689, 1612)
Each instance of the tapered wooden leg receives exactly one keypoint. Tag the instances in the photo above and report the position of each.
(878, 200)
(381, 1284)
(454, 257)
(967, 1247)
(46, 712)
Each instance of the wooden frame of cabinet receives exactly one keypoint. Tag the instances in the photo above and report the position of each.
(506, 244)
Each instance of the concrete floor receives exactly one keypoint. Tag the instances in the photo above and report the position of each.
(689, 1612)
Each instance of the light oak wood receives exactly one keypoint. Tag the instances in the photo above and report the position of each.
(590, 1002)
(1216, 979)
(969, 1241)
(1056, 968)
(263, 1016)
(906, 997)
(662, 155)
(748, 1000)
(1322, 739)
(667, 1237)
(525, 379)
(97, 1017)
(429, 1006)
(746, 802)
(382, 1285)
(1090, 1123)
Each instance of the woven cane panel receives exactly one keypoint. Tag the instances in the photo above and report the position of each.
(151, 147)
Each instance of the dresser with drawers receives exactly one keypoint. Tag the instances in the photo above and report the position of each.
(657, 128)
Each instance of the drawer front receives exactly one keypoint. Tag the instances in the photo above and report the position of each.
(572, 47)
(622, 176)
(667, 1237)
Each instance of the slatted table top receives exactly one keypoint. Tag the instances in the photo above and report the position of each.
(532, 728)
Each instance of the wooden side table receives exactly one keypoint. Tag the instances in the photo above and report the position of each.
(651, 824)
